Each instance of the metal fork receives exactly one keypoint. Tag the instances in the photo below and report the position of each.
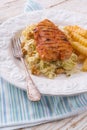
(32, 91)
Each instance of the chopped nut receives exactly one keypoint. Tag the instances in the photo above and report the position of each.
(24, 52)
(60, 71)
(81, 58)
(84, 68)
(34, 70)
(22, 44)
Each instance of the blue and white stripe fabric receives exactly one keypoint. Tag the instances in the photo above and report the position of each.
(16, 111)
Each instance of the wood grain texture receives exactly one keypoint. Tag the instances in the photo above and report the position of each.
(10, 8)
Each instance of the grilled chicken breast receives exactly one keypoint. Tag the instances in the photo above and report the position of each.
(51, 42)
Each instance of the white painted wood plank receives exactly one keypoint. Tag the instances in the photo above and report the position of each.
(72, 5)
(48, 3)
(10, 8)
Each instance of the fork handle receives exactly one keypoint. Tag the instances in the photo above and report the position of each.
(32, 91)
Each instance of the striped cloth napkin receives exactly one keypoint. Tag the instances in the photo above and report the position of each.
(16, 111)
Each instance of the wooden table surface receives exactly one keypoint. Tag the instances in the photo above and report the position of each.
(10, 8)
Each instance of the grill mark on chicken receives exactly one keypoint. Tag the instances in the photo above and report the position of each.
(51, 42)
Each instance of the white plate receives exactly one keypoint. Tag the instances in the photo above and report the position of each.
(12, 70)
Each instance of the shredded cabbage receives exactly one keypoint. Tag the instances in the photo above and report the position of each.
(70, 63)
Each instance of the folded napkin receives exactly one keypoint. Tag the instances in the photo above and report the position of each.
(16, 111)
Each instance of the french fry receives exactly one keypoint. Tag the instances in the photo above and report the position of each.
(76, 29)
(79, 43)
(82, 32)
(78, 38)
(84, 67)
(80, 48)
(81, 58)
(71, 28)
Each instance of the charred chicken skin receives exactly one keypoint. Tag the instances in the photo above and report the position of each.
(51, 42)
